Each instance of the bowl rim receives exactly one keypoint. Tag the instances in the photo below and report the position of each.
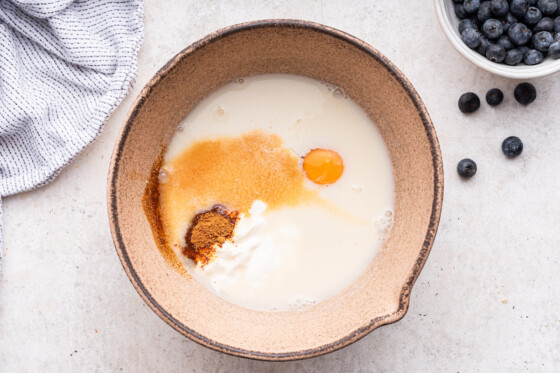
(354, 335)
(513, 72)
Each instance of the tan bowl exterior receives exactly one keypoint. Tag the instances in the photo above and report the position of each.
(381, 294)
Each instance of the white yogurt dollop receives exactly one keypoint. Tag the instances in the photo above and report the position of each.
(277, 260)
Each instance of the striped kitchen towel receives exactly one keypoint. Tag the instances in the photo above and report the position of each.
(65, 65)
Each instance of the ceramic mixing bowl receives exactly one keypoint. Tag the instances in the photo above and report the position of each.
(381, 294)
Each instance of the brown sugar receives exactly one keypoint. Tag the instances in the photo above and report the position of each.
(208, 230)
(232, 171)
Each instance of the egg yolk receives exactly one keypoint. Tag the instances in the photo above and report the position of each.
(323, 166)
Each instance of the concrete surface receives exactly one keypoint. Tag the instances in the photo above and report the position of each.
(487, 300)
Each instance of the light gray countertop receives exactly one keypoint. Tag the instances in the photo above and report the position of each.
(488, 298)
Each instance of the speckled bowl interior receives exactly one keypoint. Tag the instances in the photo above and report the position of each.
(381, 294)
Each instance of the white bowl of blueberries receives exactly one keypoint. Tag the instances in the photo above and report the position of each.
(517, 39)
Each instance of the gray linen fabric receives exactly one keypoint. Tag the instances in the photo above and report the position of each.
(65, 65)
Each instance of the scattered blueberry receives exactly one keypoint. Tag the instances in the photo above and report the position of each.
(557, 36)
(512, 146)
(518, 8)
(471, 37)
(542, 40)
(499, 7)
(493, 28)
(532, 2)
(469, 102)
(494, 97)
(545, 24)
(533, 16)
(557, 24)
(547, 7)
(554, 50)
(533, 57)
(514, 56)
(519, 34)
(496, 53)
(484, 13)
(505, 42)
(525, 93)
(471, 6)
(466, 168)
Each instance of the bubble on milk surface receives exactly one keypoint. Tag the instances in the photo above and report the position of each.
(339, 93)
(163, 176)
(385, 224)
(301, 302)
(336, 91)
(220, 114)
(357, 188)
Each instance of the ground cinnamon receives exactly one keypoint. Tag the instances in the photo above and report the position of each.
(208, 230)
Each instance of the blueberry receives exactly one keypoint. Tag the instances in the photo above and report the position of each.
(494, 97)
(533, 16)
(507, 21)
(469, 102)
(533, 57)
(466, 168)
(471, 6)
(496, 53)
(512, 146)
(519, 34)
(460, 11)
(523, 49)
(471, 37)
(484, 13)
(464, 24)
(510, 31)
(499, 7)
(493, 28)
(513, 57)
(554, 50)
(518, 8)
(547, 7)
(542, 40)
(474, 22)
(484, 43)
(545, 24)
(505, 42)
(557, 24)
(525, 93)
